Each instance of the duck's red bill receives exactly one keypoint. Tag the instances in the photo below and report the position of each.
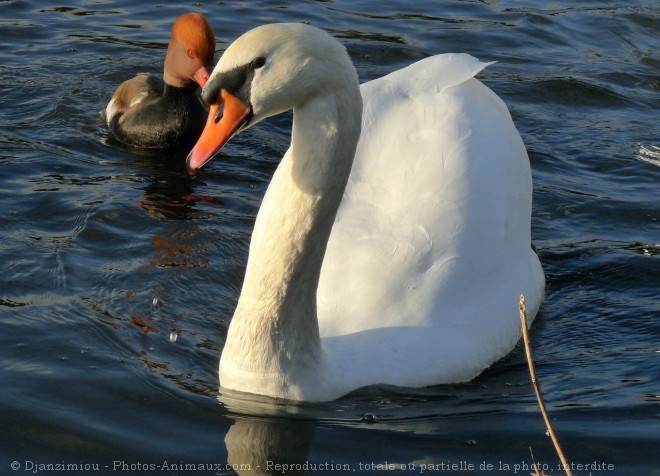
(201, 76)
(218, 130)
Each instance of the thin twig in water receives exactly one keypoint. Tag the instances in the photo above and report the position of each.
(535, 384)
(537, 471)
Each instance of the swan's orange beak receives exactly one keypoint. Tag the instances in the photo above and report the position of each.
(220, 127)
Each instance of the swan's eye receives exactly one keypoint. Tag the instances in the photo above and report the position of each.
(258, 62)
(218, 115)
(221, 108)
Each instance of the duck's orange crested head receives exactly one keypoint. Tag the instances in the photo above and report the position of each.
(190, 53)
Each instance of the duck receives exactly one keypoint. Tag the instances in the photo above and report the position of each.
(394, 238)
(161, 113)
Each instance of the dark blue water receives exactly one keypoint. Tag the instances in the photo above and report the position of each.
(108, 254)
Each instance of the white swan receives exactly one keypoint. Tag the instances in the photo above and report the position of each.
(427, 231)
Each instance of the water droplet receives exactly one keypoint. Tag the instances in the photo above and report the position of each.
(369, 418)
(173, 336)
(154, 303)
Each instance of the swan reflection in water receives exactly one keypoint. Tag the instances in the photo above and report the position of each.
(277, 441)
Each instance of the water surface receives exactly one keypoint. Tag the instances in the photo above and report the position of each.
(109, 253)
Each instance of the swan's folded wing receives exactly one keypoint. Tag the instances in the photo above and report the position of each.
(434, 227)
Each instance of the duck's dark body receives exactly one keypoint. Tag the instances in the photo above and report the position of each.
(147, 113)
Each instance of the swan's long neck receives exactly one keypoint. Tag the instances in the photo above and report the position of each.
(275, 327)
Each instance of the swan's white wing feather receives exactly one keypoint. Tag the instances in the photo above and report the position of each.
(433, 234)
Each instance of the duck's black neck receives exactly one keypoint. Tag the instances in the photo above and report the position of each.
(180, 92)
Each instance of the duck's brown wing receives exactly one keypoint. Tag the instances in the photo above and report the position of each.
(143, 88)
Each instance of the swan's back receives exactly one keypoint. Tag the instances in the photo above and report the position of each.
(431, 246)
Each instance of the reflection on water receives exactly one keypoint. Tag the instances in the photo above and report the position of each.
(650, 154)
(264, 447)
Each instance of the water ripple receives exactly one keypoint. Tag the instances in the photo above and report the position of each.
(649, 154)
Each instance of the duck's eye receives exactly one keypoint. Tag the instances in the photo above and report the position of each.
(258, 62)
